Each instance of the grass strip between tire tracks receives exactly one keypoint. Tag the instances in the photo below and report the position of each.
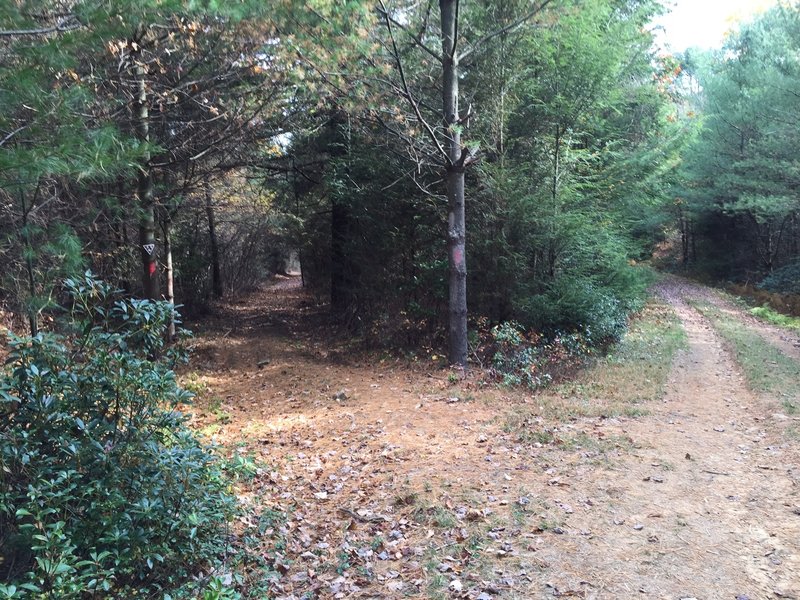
(620, 384)
(767, 369)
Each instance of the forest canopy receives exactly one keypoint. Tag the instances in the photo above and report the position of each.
(739, 177)
(187, 151)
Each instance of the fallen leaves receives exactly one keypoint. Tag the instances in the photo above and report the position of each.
(443, 500)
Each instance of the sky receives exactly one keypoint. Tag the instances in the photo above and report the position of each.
(703, 23)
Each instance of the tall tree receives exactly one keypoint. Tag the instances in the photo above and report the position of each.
(575, 157)
(741, 173)
(47, 145)
(453, 155)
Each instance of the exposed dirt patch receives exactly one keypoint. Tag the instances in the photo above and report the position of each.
(704, 506)
(382, 478)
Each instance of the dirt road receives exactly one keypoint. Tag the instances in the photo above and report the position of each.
(382, 480)
(707, 505)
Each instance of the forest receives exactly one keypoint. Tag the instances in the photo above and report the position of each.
(494, 188)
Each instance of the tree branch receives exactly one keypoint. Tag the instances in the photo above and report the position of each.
(416, 38)
(511, 26)
(12, 134)
(407, 91)
(409, 142)
(64, 25)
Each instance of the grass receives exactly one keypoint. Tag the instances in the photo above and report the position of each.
(468, 550)
(195, 384)
(470, 553)
(583, 441)
(549, 524)
(767, 369)
(527, 429)
(636, 370)
(620, 384)
(765, 313)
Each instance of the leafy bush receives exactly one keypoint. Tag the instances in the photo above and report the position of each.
(103, 488)
(785, 280)
(532, 360)
(598, 312)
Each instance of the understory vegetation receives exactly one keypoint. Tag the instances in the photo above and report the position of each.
(771, 316)
(104, 491)
(620, 384)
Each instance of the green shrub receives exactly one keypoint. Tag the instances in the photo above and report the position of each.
(765, 313)
(599, 313)
(529, 359)
(785, 280)
(104, 491)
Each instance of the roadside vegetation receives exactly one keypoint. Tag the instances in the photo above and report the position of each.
(768, 314)
(621, 384)
(104, 490)
(157, 154)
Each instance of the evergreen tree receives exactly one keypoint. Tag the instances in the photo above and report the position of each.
(741, 173)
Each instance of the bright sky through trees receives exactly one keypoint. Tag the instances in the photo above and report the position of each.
(704, 23)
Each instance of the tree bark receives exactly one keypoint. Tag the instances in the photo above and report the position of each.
(769, 251)
(344, 267)
(33, 320)
(144, 189)
(552, 253)
(684, 228)
(456, 223)
(170, 279)
(296, 190)
(216, 274)
(341, 284)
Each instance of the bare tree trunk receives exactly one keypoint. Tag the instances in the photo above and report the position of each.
(33, 320)
(768, 250)
(552, 253)
(683, 222)
(344, 267)
(456, 158)
(341, 280)
(456, 223)
(144, 189)
(296, 190)
(166, 227)
(216, 275)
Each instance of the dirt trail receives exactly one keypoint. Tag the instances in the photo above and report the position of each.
(785, 340)
(388, 478)
(707, 506)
